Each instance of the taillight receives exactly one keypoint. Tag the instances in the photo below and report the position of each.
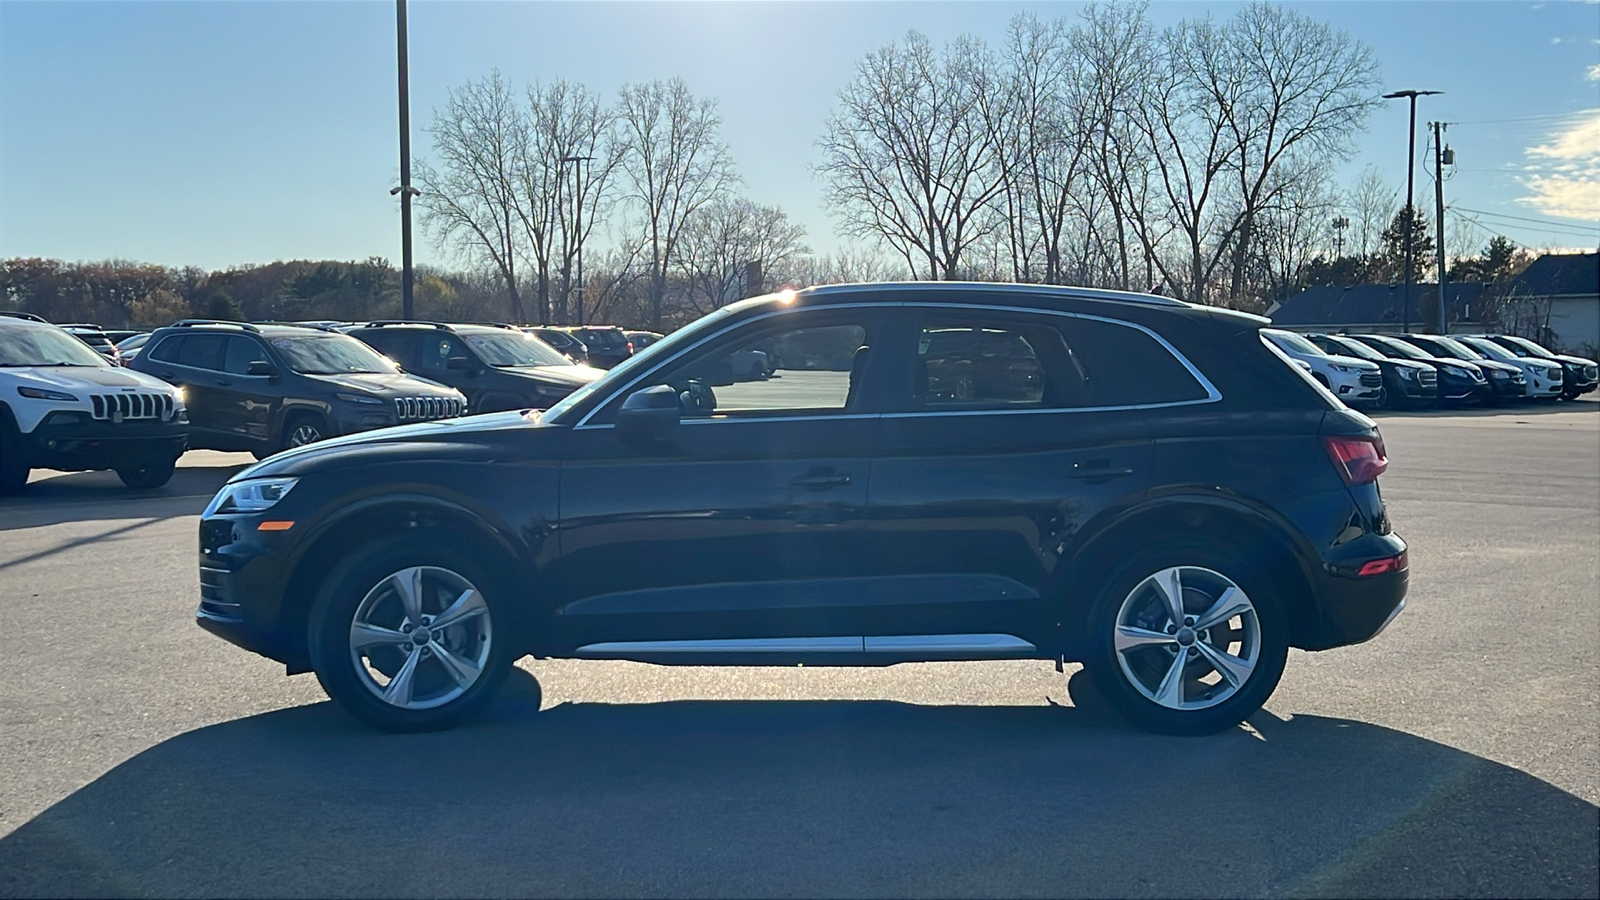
(1386, 565)
(1360, 460)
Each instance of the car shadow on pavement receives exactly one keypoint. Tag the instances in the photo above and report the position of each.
(85, 496)
(802, 798)
(1516, 409)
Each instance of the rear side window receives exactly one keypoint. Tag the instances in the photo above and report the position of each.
(167, 350)
(1012, 361)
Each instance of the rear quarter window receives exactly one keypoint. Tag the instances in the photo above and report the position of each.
(1126, 366)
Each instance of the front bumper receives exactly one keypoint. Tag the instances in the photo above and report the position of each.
(72, 443)
(241, 587)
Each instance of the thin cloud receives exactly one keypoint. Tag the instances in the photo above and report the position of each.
(1564, 172)
(1593, 72)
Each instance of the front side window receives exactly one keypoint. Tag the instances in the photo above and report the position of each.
(814, 370)
(242, 351)
(203, 351)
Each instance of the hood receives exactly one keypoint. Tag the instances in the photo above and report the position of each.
(1572, 360)
(452, 438)
(386, 384)
(567, 376)
(1489, 365)
(1402, 363)
(1364, 365)
(85, 378)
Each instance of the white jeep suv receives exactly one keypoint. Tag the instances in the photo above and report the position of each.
(62, 406)
(1355, 381)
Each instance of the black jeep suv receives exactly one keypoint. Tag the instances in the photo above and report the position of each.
(497, 367)
(1128, 481)
(265, 388)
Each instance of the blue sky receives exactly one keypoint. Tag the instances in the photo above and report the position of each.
(217, 133)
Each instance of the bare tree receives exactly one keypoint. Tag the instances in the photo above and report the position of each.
(1372, 204)
(676, 163)
(908, 159)
(471, 199)
(1309, 89)
(725, 236)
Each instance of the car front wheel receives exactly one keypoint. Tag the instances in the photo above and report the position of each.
(148, 475)
(406, 638)
(1181, 646)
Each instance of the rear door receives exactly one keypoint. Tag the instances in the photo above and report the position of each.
(1011, 431)
(194, 362)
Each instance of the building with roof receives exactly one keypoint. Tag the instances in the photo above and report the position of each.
(1377, 307)
(1556, 300)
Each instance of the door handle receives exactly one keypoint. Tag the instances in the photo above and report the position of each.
(1098, 469)
(167, 376)
(223, 382)
(820, 481)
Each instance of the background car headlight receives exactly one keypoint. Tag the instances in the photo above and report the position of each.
(254, 495)
(359, 398)
(1498, 373)
(1345, 369)
(42, 394)
(1409, 374)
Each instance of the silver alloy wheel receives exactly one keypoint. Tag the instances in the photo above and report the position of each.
(1187, 638)
(303, 434)
(421, 637)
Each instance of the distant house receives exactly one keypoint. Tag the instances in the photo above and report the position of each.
(1557, 300)
(1376, 307)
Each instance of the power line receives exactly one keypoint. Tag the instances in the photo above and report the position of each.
(1483, 212)
(1496, 229)
(1547, 118)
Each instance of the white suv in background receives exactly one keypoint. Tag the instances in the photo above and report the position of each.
(1355, 381)
(63, 406)
(1544, 376)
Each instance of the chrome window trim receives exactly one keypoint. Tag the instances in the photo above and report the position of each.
(1212, 394)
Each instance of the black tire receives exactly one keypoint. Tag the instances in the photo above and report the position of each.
(1322, 380)
(1242, 566)
(149, 475)
(13, 458)
(354, 686)
(301, 429)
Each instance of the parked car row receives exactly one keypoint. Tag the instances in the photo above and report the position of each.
(1421, 370)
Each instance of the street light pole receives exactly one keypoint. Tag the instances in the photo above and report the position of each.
(405, 190)
(1410, 211)
(577, 194)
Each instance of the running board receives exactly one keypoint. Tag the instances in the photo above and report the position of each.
(817, 651)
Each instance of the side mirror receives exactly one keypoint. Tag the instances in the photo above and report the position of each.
(261, 368)
(649, 414)
(458, 364)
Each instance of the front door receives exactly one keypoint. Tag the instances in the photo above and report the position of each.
(744, 522)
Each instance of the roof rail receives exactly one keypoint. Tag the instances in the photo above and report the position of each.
(190, 323)
(491, 325)
(79, 325)
(382, 323)
(19, 314)
(308, 325)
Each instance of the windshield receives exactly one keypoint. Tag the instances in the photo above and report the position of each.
(1357, 349)
(1523, 347)
(661, 349)
(41, 345)
(1490, 349)
(331, 354)
(1395, 347)
(1295, 342)
(1461, 351)
(505, 349)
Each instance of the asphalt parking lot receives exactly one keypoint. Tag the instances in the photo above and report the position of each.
(1456, 755)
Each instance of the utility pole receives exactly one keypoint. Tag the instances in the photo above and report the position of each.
(1438, 201)
(1410, 210)
(577, 194)
(405, 190)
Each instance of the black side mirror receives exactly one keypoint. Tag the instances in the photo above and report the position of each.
(261, 368)
(458, 364)
(649, 414)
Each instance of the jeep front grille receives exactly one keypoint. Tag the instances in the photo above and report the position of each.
(122, 407)
(422, 408)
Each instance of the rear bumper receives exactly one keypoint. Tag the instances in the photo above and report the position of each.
(104, 445)
(1355, 608)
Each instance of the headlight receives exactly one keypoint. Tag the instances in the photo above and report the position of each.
(1409, 374)
(42, 394)
(1345, 369)
(1498, 373)
(180, 395)
(254, 495)
(359, 398)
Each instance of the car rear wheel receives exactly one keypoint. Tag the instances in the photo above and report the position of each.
(1184, 642)
(406, 637)
(149, 475)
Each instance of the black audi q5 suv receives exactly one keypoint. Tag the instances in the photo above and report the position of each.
(935, 472)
